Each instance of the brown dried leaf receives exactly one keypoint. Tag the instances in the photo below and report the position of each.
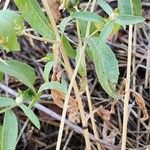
(54, 6)
(58, 98)
(140, 101)
(104, 113)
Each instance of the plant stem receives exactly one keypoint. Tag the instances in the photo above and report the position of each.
(36, 37)
(87, 92)
(127, 92)
(72, 83)
(6, 4)
(92, 117)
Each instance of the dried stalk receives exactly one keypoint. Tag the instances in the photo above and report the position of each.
(72, 83)
(127, 92)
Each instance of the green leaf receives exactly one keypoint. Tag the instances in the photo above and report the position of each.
(89, 54)
(68, 48)
(33, 14)
(128, 19)
(105, 7)
(23, 72)
(35, 99)
(125, 7)
(137, 7)
(130, 7)
(70, 4)
(9, 131)
(55, 85)
(30, 114)
(28, 95)
(11, 25)
(1, 76)
(88, 16)
(47, 70)
(106, 31)
(48, 57)
(106, 65)
(0, 136)
(5, 101)
(82, 67)
(64, 23)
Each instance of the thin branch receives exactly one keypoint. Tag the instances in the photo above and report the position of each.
(127, 92)
(6, 4)
(36, 37)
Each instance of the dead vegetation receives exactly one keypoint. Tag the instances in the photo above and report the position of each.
(107, 114)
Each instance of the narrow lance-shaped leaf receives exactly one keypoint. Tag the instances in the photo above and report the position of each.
(107, 71)
(129, 19)
(82, 67)
(55, 85)
(125, 7)
(33, 14)
(0, 136)
(64, 23)
(68, 48)
(9, 131)
(5, 101)
(47, 70)
(23, 72)
(11, 25)
(106, 31)
(88, 16)
(29, 113)
(105, 6)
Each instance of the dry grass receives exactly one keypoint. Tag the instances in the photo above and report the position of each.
(108, 125)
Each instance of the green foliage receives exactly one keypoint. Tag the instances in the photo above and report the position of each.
(81, 70)
(106, 65)
(1, 76)
(137, 7)
(88, 16)
(0, 136)
(129, 19)
(105, 7)
(125, 7)
(55, 85)
(23, 72)
(33, 14)
(5, 102)
(106, 31)
(47, 70)
(64, 23)
(130, 7)
(9, 131)
(11, 25)
(29, 113)
(105, 62)
(68, 48)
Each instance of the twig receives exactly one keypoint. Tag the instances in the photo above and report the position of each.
(22, 130)
(92, 117)
(67, 142)
(6, 4)
(36, 37)
(127, 92)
